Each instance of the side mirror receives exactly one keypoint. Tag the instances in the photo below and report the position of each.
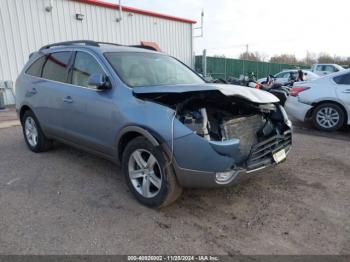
(99, 82)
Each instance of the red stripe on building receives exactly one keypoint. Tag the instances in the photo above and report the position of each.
(136, 10)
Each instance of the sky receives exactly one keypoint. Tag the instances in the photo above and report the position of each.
(270, 27)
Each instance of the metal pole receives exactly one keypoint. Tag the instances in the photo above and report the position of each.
(204, 63)
(225, 68)
(243, 66)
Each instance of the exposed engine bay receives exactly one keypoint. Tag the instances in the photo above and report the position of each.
(217, 117)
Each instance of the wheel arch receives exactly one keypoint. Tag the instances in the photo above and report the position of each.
(315, 104)
(129, 133)
(23, 109)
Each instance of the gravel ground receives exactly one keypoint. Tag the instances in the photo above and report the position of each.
(69, 202)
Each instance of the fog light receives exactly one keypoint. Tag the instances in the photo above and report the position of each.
(225, 177)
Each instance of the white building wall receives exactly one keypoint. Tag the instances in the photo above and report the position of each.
(25, 26)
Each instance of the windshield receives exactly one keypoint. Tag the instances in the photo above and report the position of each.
(149, 69)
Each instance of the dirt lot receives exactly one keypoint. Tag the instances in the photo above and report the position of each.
(68, 202)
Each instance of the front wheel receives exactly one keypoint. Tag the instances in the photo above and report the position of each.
(328, 117)
(148, 175)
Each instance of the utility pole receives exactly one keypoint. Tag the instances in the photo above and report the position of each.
(204, 63)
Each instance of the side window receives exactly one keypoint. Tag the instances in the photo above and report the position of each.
(342, 79)
(56, 66)
(320, 68)
(36, 68)
(279, 75)
(85, 65)
(285, 75)
(330, 68)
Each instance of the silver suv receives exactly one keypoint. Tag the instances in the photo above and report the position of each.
(150, 113)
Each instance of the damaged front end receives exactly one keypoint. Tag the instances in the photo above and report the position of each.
(231, 133)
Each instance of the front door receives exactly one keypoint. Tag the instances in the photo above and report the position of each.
(89, 113)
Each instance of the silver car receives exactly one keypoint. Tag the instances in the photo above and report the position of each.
(151, 114)
(326, 101)
(283, 77)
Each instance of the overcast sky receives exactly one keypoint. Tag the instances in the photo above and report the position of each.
(268, 26)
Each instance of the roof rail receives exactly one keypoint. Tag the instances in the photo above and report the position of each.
(107, 43)
(67, 43)
(144, 47)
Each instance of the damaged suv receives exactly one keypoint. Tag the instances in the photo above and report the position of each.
(150, 113)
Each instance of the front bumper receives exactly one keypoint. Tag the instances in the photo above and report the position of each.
(199, 179)
(259, 160)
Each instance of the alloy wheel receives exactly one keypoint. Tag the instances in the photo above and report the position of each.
(145, 173)
(31, 131)
(327, 117)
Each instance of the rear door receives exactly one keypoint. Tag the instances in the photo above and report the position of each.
(90, 114)
(46, 91)
(343, 88)
(329, 69)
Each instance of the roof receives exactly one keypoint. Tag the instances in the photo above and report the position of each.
(136, 10)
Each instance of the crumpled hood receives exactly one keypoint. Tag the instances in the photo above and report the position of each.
(250, 94)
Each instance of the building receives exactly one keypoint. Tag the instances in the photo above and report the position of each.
(26, 25)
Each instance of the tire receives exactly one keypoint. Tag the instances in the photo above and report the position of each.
(166, 189)
(36, 144)
(328, 117)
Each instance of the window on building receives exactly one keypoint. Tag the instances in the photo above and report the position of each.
(36, 68)
(84, 66)
(56, 66)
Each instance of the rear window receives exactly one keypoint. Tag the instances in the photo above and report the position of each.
(36, 68)
(56, 66)
(342, 79)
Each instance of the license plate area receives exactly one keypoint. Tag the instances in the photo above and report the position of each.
(279, 156)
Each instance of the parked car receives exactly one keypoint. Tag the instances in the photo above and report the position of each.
(150, 113)
(325, 100)
(325, 69)
(283, 77)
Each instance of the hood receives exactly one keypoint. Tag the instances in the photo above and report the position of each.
(247, 93)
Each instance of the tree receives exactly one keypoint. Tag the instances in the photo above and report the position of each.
(284, 59)
(256, 56)
(311, 58)
(325, 58)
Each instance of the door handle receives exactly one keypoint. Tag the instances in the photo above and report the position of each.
(346, 91)
(68, 100)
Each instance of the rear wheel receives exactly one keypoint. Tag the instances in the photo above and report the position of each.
(33, 135)
(328, 117)
(149, 176)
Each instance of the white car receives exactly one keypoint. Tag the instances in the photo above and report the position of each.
(325, 69)
(325, 100)
(283, 77)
